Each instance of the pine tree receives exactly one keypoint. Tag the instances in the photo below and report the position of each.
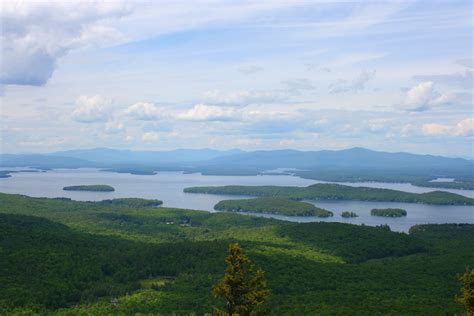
(467, 297)
(242, 289)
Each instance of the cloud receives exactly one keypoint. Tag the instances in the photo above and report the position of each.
(90, 109)
(433, 129)
(242, 97)
(250, 69)
(150, 137)
(296, 86)
(114, 127)
(35, 34)
(204, 112)
(423, 96)
(287, 142)
(377, 125)
(462, 128)
(355, 85)
(461, 79)
(144, 111)
(248, 141)
(466, 62)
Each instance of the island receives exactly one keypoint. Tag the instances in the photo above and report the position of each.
(347, 214)
(131, 202)
(330, 191)
(91, 188)
(272, 205)
(388, 212)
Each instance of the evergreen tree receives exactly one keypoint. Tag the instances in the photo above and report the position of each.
(242, 289)
(467, 297)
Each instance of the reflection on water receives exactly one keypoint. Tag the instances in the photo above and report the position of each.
(168, 187)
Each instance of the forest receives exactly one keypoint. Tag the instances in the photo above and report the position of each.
(96, 258)
(348, 214)
(388, 212)
(272, 205)
(92, 188)
(328, 191)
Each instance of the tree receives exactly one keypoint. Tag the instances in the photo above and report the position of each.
(242, 289)
(467, 297)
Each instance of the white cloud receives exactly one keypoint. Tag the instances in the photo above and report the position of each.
(114, 127)
(355, 85)
(248, 141)
(203, 112)
(91, 109)
(36, 33)
(242, 97)
(287, 142)
(463, 128)
(423, 96)
(433, 129)
(144, 111)
(150, 137)
(378, 124)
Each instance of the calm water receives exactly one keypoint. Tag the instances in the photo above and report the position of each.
(168, 187)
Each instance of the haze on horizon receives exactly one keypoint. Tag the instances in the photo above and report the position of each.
(308, 75)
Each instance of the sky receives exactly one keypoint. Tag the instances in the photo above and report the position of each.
(309, 75)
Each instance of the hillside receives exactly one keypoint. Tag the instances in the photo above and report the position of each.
(328, 191)
(84, 257)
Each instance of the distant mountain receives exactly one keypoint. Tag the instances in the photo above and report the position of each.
(42, 161)
(349, 158)
(356, 164)
(116, 156)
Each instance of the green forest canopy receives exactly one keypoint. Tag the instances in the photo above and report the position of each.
(272, 205)
(84, 257)
(328, 191)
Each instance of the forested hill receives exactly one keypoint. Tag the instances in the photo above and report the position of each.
(126, 258)
(329, 191)
(347, 165)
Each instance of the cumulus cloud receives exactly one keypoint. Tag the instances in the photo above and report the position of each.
(150, 137)
(91, 109)
(35, 34)
(432, 129)
(355, 85)
(424, 96)
(242, 97)
(144, 111)
(377, 125)
(204, 112)
(462, 128)
(114, 127)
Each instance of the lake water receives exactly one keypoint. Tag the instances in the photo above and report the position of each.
(168, 187)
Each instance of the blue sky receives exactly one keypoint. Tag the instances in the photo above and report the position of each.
(386, 75)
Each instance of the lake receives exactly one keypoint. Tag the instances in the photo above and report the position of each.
(168, 187)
